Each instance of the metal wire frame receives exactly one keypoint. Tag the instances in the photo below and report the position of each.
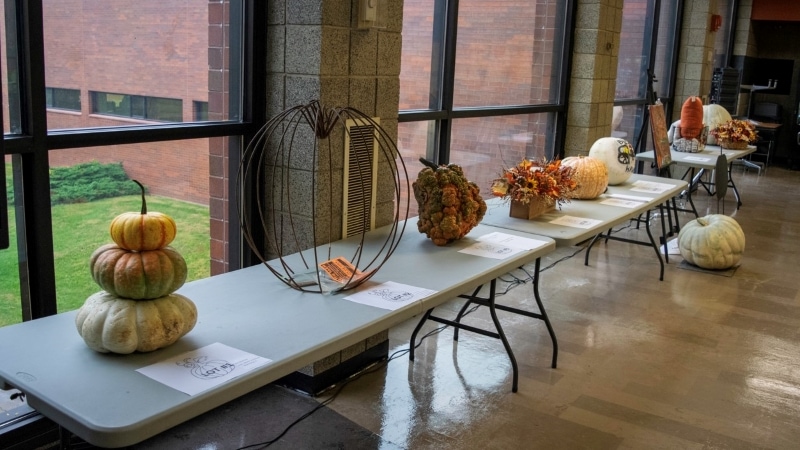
(268, 159)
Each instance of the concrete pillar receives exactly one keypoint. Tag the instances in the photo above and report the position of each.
(594, 73)
(317, 51)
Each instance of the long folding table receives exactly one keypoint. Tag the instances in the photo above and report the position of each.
(580, 220)
(699, 162)
(105, 401)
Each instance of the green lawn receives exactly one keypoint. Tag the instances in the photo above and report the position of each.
(78, 229)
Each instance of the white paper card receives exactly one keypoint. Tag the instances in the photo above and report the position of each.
(488, 249)
(576, 222)
(636, 198)
(650, 186)
(621, 203)
(198, 370)
(696, 158)
(390, 295)
(672, 247)
(512, 241)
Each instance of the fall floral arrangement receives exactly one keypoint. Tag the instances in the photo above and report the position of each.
(536, 179)
(735, 131)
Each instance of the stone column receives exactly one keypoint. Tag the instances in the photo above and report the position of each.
(594, 73)
(317, 51)
(696, 54)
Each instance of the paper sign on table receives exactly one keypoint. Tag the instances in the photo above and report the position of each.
(696, 158)
(512, 240)
(651, 186)
(198, 370)
(390, 295)
(494, 250)
(621, 203)
(576, 222)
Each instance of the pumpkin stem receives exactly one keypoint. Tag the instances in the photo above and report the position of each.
(427, 163)
(144, 202)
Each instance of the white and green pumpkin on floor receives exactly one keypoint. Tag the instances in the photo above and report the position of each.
(715, 241)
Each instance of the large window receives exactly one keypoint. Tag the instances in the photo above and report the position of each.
(645, 65)
(491, 96)
(97, 94)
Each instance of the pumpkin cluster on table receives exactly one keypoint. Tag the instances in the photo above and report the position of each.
(138, 309)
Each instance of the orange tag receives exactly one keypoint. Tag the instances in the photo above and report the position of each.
(341, 270)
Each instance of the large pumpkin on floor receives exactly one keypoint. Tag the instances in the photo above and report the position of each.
(147, 274)
(143, 230)
(618, 156)
(590, 174)
(108, 323)
(715, 241)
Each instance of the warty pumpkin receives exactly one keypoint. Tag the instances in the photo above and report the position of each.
(108, 323)
(143, 230)
(147, 274)
(591, 175)
(715, 241)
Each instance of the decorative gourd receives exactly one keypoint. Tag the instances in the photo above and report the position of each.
(147, 274)
(618, 156)
(590, 174)
(714, 115)
(691, 118)
(143, 230)
(715, 241)
(450, 206)
(108, 323)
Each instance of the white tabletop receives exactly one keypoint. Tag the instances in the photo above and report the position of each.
(607, 216)
(102, 399)
(707, 159)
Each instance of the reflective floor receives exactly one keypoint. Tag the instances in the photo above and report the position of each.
(699, 360)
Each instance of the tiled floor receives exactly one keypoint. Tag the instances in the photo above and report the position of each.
(697, 361)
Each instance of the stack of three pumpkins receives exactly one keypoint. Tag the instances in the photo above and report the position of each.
(138, 309)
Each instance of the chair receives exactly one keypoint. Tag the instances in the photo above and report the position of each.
(766, 112)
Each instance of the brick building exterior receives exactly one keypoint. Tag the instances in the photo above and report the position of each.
(150, 49)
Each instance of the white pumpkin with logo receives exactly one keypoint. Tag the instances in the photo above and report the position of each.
(618, 156)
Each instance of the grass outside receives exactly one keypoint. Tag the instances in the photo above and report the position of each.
(79, 228)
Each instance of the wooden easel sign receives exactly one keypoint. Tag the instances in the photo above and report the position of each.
(658, 127)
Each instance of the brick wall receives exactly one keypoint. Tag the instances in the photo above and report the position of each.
(158, 49)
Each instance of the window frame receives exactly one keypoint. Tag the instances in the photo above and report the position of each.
(31, 142)
(440, 108)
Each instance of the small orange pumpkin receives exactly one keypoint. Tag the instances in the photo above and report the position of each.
(141, 275)
(590, 173)
(143, 230)
(692, 118)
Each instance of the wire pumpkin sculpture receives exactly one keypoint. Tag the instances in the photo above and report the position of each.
(270, 160)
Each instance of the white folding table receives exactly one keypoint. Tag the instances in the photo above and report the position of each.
(105, 401)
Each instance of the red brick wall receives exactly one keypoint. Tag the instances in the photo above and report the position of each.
(158, 49)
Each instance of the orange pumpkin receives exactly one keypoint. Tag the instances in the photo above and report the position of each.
(692, 118)
(590, 173)
(143, 230)
(141, 275)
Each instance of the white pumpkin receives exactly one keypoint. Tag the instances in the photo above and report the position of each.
(713, 116)
(618, 156)
(589, 173)
(715, 241)
(108, 323)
